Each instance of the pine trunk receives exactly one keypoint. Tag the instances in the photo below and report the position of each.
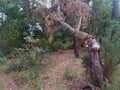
(95, 63)
(76, 51)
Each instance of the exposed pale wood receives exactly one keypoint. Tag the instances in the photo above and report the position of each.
(95, 62)
(78, 34)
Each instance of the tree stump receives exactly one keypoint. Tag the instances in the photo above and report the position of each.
(95, 62)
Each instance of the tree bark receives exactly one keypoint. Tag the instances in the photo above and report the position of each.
(95, 62)
(71, 23)
(76, 51)
(26, 8)
(94, 49)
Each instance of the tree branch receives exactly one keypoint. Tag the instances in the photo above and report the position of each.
(76, 33)
(79, 23)
(79, 34)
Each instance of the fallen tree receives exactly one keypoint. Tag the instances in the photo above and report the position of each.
(69, 12)
(80, 11)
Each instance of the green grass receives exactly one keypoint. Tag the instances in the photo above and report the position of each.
(115, 83)
(71, 73)
(2, 87)
(30, 77)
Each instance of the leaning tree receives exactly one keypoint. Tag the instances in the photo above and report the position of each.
(51, 26)
(56, 18)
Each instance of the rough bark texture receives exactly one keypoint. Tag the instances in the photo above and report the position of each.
(95, 62)
(76, 51)
(94, 49)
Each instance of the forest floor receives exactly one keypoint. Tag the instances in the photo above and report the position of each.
(10, 83)
(65, 73)
(56, 76)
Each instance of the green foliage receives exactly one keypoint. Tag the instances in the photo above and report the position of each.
(29, 66)
(3, 60)
(61, 45)
(43, 42)
(101, 17)
(32, 77)
(11, 26)
(107, 32)
(115, 84)
(26, 60)
(111, 49)
(12, 9)
(62, 40)
(9, 36)
(85, 60)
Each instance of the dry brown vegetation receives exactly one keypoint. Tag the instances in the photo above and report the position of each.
(69, 8)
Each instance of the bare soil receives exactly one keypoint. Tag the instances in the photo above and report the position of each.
(62, 59)
(9, 82)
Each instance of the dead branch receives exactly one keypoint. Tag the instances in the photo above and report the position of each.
(79, 23)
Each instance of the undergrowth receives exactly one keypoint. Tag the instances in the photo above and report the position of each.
(115, 84)
(71, 71)
(28, 65)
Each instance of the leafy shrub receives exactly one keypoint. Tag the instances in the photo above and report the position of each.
(86, 60)
(61, 45)
(9, 35)
(28, 59)
(62, 40)
(3, 60)
(111, 49)
(115, 84)
(29, 65)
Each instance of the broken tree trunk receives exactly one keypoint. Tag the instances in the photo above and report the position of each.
(95, 62)
(94, 48)
(90, 43)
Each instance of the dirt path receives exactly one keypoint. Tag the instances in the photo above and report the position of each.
(61, 59)
(56, 71)
(9, 82)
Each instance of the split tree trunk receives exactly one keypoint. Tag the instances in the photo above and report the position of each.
(92, 46)
(95, 62)
(94, 49)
